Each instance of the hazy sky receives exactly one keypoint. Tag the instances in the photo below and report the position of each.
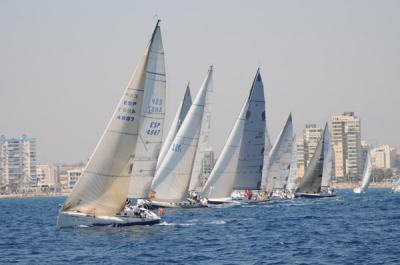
(64, 64)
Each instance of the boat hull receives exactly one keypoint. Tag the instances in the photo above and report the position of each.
(77, 219)
(222, 201)
(184, 204)
(314, 196)
(358, 190)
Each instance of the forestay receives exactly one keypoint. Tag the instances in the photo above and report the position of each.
(172, 177)
(103, 186)
(151, 122)
(280, 158)
(229, 165)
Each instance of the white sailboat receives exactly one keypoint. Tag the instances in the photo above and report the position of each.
(240, 163)
(316, 180)
(280, 159)
(176, 124)
(99, 196)
(396, 186)
(367, 176)
(292, 185)
(171, 182)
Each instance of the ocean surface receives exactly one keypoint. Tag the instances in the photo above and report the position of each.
(348, 229)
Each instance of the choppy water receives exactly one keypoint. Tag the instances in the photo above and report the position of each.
(348, 229)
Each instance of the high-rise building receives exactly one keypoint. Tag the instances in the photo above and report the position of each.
(207, 165)
(346, 143)
(383, 157)
(306, 147)
(18, 164)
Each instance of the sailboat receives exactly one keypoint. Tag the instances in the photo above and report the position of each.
(279, 164)
(240, 164)
(367, 176)
(316, 180)
(99, 197)
(171, 182)
(292, 185)
(396, 186)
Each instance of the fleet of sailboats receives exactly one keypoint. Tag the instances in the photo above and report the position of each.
(131, 162)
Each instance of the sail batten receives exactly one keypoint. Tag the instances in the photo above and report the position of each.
(103, 186)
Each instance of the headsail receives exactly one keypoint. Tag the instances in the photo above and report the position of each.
(172, 177)
(203, 143)
(367, 176)
(103, 186)
(328, 161)
(151, 122)
(312, 179)
(176, 124)
(280, 158)
(293, 167)
(234, 162)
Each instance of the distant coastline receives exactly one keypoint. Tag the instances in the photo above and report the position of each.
(34, 195)
(339, 186)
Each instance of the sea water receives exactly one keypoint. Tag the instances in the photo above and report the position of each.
(348, 229)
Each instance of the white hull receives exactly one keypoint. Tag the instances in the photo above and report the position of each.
(358, 190)
(395, 189)
(222, 200)
(183, 204)
(78, 219)
(314, 195)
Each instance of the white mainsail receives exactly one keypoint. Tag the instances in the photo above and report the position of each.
(151, 123)
(233, 163)
(103, 186)
(328, 161)
(293, 167)
(280, 158)
(172, 177)
(176, 124)
(367, 176)
(203, 143)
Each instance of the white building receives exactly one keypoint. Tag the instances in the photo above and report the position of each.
(346, 143)
(207, 165)
(383, 157)
(73, 177)
(18, 164)
(47, 177)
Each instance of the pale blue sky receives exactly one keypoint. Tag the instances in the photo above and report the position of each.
(64, 64)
